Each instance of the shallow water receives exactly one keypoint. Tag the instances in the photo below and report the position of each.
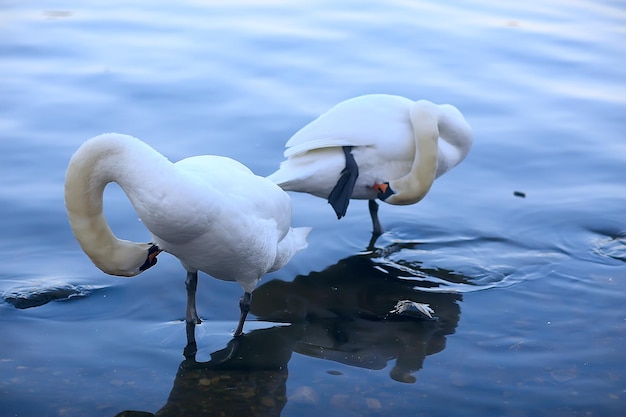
(528, 292)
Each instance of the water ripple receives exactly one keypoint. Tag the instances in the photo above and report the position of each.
(613, 247)
(466, 264)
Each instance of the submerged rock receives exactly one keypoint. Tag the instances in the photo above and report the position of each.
(27, 297)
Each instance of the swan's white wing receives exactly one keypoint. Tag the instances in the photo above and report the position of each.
(238, 191)
(455, 138)
(243, 220)
(370, 120)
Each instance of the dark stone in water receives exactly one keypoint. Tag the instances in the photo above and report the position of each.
(37, 296)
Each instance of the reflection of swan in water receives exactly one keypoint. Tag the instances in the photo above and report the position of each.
(346, 309)
(341, 314)
(246, 378)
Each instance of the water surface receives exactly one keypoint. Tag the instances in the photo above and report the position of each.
(527, 291)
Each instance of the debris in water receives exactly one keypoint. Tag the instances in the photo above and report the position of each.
(408, 308)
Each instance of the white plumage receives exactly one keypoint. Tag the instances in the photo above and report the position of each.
(399, 146)
(211, 212)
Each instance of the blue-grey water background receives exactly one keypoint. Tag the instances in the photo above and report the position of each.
(529, 290)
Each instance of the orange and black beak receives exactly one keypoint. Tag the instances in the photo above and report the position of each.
(151, 260)
(384, 190)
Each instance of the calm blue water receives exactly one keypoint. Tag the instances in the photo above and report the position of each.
(529, 292)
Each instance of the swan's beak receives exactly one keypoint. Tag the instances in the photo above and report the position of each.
(151, 260)
(384, 190)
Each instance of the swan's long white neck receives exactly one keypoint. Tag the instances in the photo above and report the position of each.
(413, 187)
(103, 159)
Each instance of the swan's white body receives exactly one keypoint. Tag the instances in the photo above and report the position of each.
(391, 140)
(211, 212)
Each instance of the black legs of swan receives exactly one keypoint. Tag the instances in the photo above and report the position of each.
(244, 305)
(191, 315)
(192, 319)
(377, 228)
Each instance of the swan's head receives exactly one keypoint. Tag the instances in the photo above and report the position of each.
(412, 187)
(384, 191)
(151, 257)
(400, 192)
(127, 259)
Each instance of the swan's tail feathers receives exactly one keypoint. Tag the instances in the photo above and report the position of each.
(293, 174)
(278, 178)
(339, 197)
(300, 235)
(292, 243)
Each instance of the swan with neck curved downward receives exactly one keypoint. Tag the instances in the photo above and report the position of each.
(210, 212)
(375, 146)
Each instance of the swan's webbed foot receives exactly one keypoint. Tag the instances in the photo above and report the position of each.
(339, 197)
(226, 354)
(191, 283)
(244, 305)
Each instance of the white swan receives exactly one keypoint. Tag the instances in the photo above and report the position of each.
(211, 212)
(372, 146)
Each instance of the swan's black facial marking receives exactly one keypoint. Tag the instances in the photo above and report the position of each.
(151, 259)
(384, 191)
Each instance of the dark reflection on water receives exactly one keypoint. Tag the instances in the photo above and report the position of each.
(341, 314)
(543, 319)
(248, 377)
(347, 307)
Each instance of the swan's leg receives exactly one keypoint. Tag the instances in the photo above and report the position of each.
(191, 283)
(244, 305)
(378, 229)
(339, 197)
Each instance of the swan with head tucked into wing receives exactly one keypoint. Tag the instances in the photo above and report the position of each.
(375, 146)
(210, 212)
